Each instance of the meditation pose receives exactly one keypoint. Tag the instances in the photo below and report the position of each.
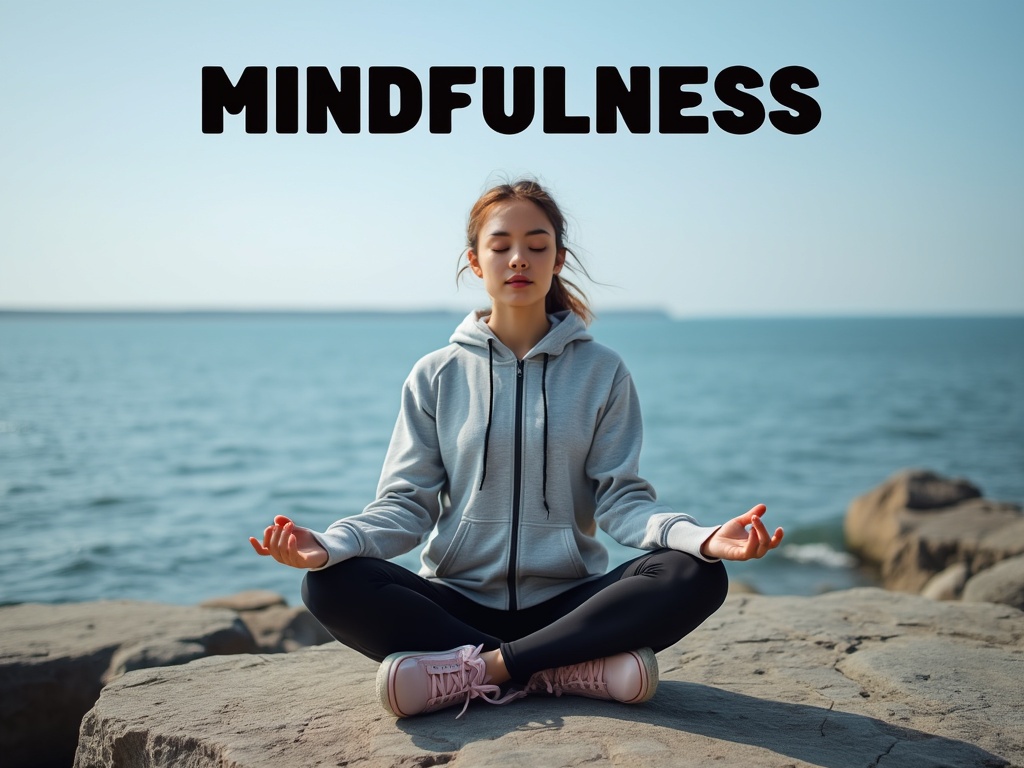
(512, 445)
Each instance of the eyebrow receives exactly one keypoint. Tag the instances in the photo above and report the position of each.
(503, 233)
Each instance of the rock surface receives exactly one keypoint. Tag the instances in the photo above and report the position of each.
(883, 514)
(948, 584)
(54, 659)
(917, 524)
(856, 678)
(276, 627)
(1002, 583)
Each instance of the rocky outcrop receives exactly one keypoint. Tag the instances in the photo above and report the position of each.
(276, 627)
(918, 524)
(1002, 583)
(54, 659)
(856, 678)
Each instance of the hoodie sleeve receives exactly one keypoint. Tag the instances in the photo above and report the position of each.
(626, 504)
(407, 505)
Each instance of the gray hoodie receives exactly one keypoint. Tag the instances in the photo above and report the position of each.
(509, 466)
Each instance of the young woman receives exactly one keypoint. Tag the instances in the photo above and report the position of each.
(512, 445)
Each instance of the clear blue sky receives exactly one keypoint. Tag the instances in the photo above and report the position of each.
(907, 198)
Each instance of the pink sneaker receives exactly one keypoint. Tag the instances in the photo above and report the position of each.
(627, 677)
(417, 683)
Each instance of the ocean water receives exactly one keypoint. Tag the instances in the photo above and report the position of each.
(139, 451)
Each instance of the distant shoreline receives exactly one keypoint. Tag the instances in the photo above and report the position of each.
(637, 313)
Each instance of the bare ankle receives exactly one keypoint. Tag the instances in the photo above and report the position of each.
(496, 670)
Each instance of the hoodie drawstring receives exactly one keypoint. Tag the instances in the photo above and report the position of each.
(544, 394)
(490, 407)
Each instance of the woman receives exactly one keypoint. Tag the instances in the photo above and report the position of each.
(513, 444)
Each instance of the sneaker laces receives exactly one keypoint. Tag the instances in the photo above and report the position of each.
(469, 680)
(586, 676)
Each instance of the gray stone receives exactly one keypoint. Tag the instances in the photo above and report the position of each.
(998, 545)
(1002, 583)
(948, 584)
(54, 659)
(281, 629)
(977, 533)
(276, 627)
(917, 524)
(249, 600)
(874, 519)
(854, 678)
(737, 587)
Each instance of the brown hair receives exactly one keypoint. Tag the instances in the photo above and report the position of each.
(563, 294)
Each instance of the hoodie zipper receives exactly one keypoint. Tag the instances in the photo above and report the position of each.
(517, 478)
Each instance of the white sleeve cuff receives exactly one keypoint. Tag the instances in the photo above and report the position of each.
(685, 536)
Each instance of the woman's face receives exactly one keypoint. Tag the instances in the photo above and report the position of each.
(516, 255)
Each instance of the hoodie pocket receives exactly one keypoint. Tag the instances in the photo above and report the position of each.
(550, 552)
(478, 552)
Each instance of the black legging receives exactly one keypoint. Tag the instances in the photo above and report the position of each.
(379, 608)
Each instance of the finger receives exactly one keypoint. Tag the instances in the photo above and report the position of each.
(260, 549)
(777, 538)
(763, 538)
(275, 543)
(293, 551)
(757, 539)
(752, 545)
(288, 544)
(281, 520)
(266, 535)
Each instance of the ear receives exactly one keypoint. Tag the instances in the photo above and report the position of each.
(559, 261)
(474, 263)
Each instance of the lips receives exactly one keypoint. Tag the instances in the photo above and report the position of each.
(518, 280)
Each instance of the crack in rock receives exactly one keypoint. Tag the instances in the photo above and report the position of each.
(821, 728)
(885, 754)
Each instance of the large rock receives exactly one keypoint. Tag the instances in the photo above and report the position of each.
(917, 524)
(54, 659)
(876, 518)
(947, 585)
(1002, 583)
(855, 678)
(276, 627)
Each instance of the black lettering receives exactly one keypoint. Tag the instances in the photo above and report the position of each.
(672, 100)
(250, 94)
(751, 110)
(323, 95)
(286, 98)
(523, 99)
(633, 103)
(555, 119)
(410, 100)
(443, 100)
(808, 111)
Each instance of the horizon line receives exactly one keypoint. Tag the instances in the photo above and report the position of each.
(650, 311)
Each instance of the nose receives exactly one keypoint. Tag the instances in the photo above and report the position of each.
(517, 260)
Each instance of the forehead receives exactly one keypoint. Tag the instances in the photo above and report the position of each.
(516, 217)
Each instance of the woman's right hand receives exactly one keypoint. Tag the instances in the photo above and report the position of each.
(290, 544)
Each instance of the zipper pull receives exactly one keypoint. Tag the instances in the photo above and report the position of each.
(519, 368)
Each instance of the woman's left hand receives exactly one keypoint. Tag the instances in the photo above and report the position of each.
(734, 541)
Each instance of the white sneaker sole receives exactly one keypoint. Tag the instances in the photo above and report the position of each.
(386, 679)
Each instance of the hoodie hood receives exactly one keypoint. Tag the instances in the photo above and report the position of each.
(566, 327)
